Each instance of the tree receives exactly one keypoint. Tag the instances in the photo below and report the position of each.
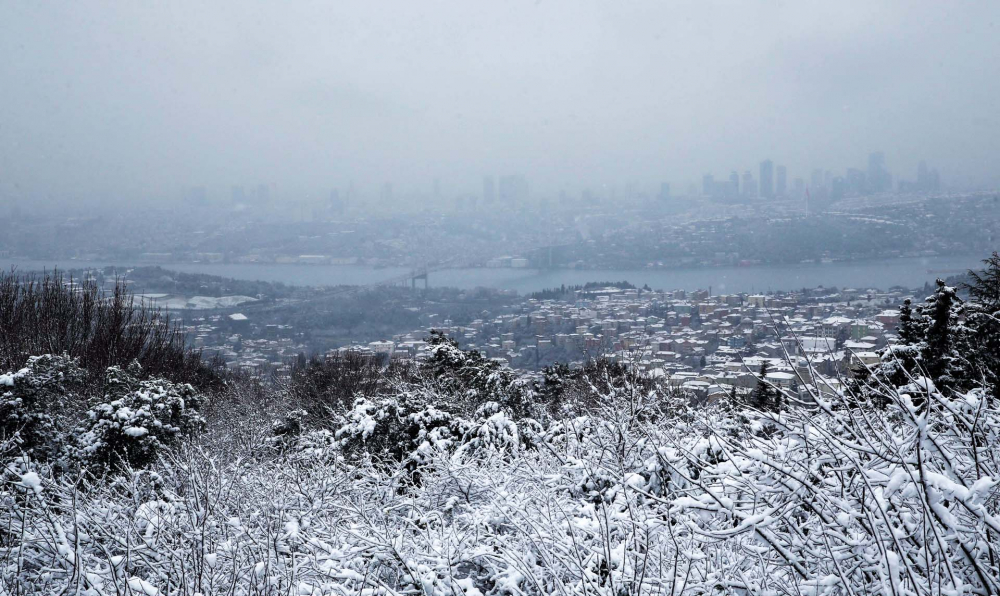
(943, 335)
(983, 316)
(473, 380)
(765, 397)
(843, 334)
(985, 286)
(908, 330)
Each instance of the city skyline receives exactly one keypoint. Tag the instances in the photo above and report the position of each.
(99, 100)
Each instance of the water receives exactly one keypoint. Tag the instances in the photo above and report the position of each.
(908, 272)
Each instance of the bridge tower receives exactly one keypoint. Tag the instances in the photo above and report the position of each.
(418, 274)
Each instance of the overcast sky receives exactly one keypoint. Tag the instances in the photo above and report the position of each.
(143, 98)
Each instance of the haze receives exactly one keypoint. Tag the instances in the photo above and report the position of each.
(138, 100)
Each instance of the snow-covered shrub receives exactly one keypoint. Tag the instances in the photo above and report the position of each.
(400, 432)
(135, 420)
(492, 431)
(836, 500)
(469, 380)
(38, 399)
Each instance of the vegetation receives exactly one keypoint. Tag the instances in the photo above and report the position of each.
(457, 476)
(52, 314)
(564, 290)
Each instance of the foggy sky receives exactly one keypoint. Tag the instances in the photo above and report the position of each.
(140, 98)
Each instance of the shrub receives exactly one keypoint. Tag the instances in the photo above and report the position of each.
(40, 401)
(135, 420)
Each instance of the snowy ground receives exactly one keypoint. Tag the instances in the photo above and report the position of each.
(171, 302)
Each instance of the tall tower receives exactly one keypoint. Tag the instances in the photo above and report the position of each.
(749, 185)
(767, 179)
(878, 178)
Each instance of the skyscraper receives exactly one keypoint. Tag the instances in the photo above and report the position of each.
(513, 188)
(816, 181)
(798, 189)
(707, 185)
(879, 179)
(767, 179)
(855, 183)
(781, 187)
(336, 204)
(733, 192)
(749, 186)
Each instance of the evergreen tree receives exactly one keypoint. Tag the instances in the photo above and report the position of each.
(908, 329)
(939, 354)
(983, 316)
(985, 286)
(764, 396)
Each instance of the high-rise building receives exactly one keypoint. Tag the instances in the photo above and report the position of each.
(707, 185)
(798, 189)
(816, 181)
(767, 179)
(837, 186)
(733, 188)
(489, 190)
(664, 191)
(928, 180)
(513, 188)
(854, 185)
(749, 186)
(781, 185)
(879, 179)
(336, 204)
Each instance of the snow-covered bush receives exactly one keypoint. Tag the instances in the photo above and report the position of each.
(135, 420)
(836, 500)
(37, 401)
(398, 431)
(470, 380)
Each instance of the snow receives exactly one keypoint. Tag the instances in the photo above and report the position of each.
(32, 481)
(197, 302)
(425, 489)
(141, 586)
